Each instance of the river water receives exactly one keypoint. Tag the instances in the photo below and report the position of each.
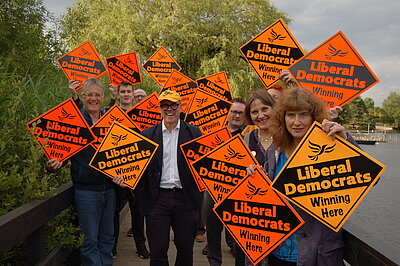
(379, 212)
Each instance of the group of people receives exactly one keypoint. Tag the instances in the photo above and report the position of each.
(167, 195)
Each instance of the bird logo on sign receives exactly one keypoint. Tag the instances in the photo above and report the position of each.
(319, 150)
(151, 105)
(233, 154)
(334, 52)
(175, 80)
(201, 101)
(275, 36)
(219, 80)
(84, 52)
(217, 142)
(254, 191)
(113, 119)
(65, 115)
(128, 60)
(161, 56)
(117, 138)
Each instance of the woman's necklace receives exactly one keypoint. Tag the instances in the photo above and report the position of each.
(266, 139)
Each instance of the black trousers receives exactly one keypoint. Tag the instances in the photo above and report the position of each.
(122, 196)
(170, 212)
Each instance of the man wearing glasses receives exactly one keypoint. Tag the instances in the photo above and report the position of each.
(139, 95)
(168, 195)
(94, 195)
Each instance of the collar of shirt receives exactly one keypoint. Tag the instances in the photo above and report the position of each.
(163, 127)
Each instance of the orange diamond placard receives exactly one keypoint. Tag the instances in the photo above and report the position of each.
(124, 153)
(334, 71)
(114, 114)
(183, 85)
(200, 146)
(146, 113)
(123, 67)
(160, 65)
(257, 217)
(62, 131)
(223, 168)
(271, 51)
(207, 111)
(217, 85)
(327, 178)
(82, 63)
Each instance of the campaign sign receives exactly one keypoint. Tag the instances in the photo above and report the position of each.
(146, 113)
(334, 71)
(82, 63)
(115, 114)
(327, 178)
(207, 111)
(257, 217)
(217, 85)
(62, 131)
(160, 65)
(223, 168)
(124, 153)
(200, 146)
(271, 51)
(183, 85)
(123, 67)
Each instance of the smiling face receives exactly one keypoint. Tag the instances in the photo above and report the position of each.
(169, 114)
(260, 114)
(125, 95)
(93, 98)
(297, 123)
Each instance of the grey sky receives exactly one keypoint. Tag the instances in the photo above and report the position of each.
(372, 26)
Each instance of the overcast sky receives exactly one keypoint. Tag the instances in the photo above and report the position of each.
(372, 26)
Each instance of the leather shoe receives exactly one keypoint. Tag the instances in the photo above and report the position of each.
(143, 253)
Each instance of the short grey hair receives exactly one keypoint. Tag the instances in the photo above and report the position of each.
(92, 81)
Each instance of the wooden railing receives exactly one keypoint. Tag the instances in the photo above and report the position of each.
(28, 221)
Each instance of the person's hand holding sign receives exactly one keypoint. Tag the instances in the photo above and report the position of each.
(53, 165)
(73, 84)
(113, 91)
(333, 128)
(118, 180)
(251, 169)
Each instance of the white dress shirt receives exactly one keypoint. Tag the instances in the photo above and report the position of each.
(169, 173)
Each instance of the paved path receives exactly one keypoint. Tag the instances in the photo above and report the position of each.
(127, 251)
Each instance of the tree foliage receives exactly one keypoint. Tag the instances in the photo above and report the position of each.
(391, 106)
(30, 84)
(25, 42)
(203, 36)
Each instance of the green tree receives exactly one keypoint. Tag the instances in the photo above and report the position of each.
(203, 36)
(356, 114)
(25, 42)
(391, 107)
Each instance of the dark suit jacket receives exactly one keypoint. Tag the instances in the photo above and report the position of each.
(148, 186)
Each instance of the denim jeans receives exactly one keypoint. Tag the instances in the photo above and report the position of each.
(96, 219)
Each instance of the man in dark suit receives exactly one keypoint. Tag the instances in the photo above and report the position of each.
(167, 193)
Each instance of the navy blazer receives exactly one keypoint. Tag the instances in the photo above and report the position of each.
(148, 187)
